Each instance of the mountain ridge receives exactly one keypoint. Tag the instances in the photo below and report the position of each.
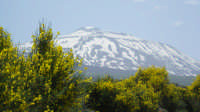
(116, 50)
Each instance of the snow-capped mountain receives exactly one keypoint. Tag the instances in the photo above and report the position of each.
(120, 51)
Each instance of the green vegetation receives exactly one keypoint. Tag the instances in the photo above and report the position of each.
(44, 81)
(47, 80)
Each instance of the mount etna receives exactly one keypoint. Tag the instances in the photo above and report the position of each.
(120, 54)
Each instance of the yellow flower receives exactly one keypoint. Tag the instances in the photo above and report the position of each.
(85, 68)
(37, 98)
(71, 86)
(7, 70)
(32, 103)
(80, 72)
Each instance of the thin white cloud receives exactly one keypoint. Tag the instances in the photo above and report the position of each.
(138, 0)
(157, 7)
(178, 23)
(192, 2)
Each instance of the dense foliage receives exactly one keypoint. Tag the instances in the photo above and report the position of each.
(48, 80)
(148, 91)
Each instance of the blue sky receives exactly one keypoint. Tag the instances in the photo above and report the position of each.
(175, 22)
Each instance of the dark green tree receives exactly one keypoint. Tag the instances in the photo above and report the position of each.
(102, 96)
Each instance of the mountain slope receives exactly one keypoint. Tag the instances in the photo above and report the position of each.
(119, 51)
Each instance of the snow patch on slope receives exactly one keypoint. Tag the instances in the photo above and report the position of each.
(125, 52)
